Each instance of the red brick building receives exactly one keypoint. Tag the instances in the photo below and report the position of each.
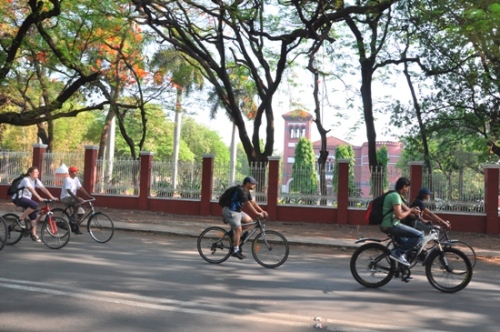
(298, 124)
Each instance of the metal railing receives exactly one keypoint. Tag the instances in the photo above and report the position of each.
(52, 161)
(118, 177)
(188, 180)
(13, 164)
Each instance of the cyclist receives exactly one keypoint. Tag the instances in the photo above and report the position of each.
(391, 224)
(420, 222)
(69, 190)
(23, 198)
(232, 213)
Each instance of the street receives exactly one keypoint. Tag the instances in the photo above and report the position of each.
(151, 282)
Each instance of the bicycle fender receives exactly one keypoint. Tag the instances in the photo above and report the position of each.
(370, 239)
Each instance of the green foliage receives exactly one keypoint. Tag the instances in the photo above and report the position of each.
(344, 152)
(304, 174)
(383, 160)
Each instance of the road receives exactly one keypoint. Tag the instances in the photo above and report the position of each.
(150, 282)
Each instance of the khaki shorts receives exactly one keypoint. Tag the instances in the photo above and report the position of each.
(233, 217)
(70, 201)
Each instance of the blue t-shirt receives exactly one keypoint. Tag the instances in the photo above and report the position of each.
(238, 199)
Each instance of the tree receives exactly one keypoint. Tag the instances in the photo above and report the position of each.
(305, 177)
(36, 43)
(344, 152)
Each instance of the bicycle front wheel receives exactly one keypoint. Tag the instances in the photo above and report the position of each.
(449, 270)
(270, 249)
(214, 245)
(101, 227)
(4, 233)
(60, 213)
(55, 232)
(466, 249)
(371, 265)
(14, 231)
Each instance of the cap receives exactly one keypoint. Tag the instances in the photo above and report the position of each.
(73, 169)
(424, 191)
(249, 179)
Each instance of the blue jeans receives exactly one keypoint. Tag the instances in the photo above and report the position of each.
(408, 236)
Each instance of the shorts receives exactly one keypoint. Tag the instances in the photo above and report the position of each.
(26, 203)
(233, 217)
(70, 201)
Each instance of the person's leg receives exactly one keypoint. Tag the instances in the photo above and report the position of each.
(413, 237)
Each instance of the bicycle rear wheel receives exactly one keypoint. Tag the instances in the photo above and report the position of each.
(101, 227)
(270, 249)
(55, 232)
(466, 249)
(449, 270)
(4, 233)
(214, 245)
(371, 265)
(14, 231)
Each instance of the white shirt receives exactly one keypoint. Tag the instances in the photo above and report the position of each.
(28, 183)
(70, 184)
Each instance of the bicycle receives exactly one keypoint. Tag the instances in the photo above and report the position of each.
(99, 225)
(447, 269)
(55, 231)
(269, 248)
(460, 245)
(3, 233)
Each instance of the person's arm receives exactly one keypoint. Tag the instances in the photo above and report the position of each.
(428, 214)
(260, 211)
(34, 193)
(85, 192)
(47, 192)
(401, 211)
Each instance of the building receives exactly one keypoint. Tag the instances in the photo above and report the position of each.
(298, 124)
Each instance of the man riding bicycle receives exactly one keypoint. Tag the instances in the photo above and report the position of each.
(391, 224)
(233, 214)
(69, 190)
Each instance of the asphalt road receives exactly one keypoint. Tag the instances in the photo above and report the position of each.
(151, 282)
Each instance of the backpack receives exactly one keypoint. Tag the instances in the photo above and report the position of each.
(374, 214)
(13, 189)
(225, 198)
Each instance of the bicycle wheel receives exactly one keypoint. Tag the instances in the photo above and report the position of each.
(55, 232)
(100, 227)
(466, 249)
(270, 249)
(448, 271)
(371, 265)
(214, 245)
(14, 231)
(3, 233)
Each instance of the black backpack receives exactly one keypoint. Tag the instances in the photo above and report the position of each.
(13, 189)
(225, 198)
(374, 213)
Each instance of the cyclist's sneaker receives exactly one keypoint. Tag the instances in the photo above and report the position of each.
(36, 238)
(399, 258)
(238, 254)
(22, 223)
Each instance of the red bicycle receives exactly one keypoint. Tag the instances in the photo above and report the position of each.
(55, 231)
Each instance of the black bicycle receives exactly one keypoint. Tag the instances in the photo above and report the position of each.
(55, 232)
(99, 225)
(447, 269)
(269, 248)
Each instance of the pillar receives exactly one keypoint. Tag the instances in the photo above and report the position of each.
(38, 152)
(146, 160)
(416, 168)
(491, 177)
(273, 187)
(206, 183)
(343, 190)
(90, 168)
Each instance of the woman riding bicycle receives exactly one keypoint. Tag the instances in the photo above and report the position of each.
(23, 198)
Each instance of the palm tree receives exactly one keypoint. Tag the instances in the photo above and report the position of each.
(178, 71)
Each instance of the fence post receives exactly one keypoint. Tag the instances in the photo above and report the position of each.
(343, 191)
(206, 184)
(416, 168)
(90, 168)
(38, 152)
(491, 177)
(145, 178)
(272, 186)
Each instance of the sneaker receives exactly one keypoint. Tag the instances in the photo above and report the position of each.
(22, 223)
(399, 258)
(36, 238)
(238, 254)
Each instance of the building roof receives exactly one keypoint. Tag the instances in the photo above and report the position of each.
(332, 141)
(298, 114)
